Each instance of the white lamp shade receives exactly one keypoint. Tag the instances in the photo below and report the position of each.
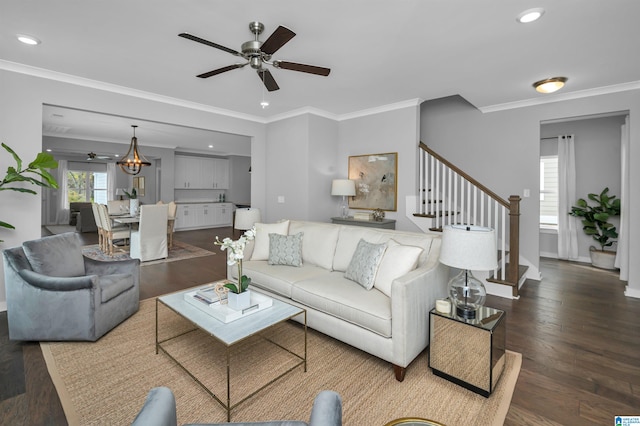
(246, 218)
(469, 247)
(344, 187)
(120, 191)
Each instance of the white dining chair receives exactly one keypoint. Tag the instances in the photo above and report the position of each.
(112, 233)
(173, 209)
(149, 241)
(97, 217)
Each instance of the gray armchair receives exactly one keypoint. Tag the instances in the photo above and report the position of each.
(160, 410)
(55, 293)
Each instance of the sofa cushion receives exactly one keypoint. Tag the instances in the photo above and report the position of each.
(398, 260)
(56, 255)
(319, 242)
(348, 241)
(410, 239)
(277, 278)
(364, 263)
(285, 249)
(261, 241)
(335, 295)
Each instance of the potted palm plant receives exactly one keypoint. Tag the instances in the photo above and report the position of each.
(37, 167)
(595, 222)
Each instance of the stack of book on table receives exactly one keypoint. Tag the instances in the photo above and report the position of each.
(207, 301)
(363, 216)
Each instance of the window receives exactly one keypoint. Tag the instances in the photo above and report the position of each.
(85, 186)
(549, 191)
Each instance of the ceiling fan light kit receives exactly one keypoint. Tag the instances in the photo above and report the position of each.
(133, 161)
(550, 85)
(258, 53)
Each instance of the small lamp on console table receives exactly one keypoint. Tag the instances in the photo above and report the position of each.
(468, 248)
(345, 188)
(246, 218)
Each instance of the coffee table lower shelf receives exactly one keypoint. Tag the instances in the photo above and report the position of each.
(231, 334)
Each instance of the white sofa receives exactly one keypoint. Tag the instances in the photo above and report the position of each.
(389, 321)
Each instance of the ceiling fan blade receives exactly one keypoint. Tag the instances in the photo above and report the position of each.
(220, 70)
(311, 69)
(208, 43)
(279, 38)
(268, 80)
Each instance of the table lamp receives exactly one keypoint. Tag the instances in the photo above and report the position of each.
(345, 188)
(120, 193)
(470, 248)
(246, 218)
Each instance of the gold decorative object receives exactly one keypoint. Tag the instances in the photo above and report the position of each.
(221, 291)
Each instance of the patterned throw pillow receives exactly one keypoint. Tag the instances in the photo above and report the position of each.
(364, 263)
(285, 249)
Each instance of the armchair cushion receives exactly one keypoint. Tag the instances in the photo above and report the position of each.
(45, 282)
(56, 255)
(114, 285)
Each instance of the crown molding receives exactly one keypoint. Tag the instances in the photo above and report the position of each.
(605, 90)
(122, 90)
(383, 108)
(128, 91)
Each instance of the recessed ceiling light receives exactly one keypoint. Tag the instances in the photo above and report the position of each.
(48, 150)
(27, 39)
(210, 146)
(550, 85)
(530, 15)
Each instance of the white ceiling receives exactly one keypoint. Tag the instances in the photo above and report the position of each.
(380, 52)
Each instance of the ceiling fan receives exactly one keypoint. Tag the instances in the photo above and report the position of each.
(92, 156)
(258, 53)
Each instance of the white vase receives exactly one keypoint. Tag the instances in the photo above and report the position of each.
(239, 301)
(134, 203)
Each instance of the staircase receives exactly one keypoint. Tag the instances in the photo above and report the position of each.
(449, 196)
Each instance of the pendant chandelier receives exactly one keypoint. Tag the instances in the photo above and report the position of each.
(132, 162)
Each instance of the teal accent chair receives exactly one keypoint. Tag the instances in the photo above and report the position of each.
(54, 293)
(160, 410)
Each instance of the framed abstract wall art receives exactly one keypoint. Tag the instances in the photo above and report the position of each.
(375, 176)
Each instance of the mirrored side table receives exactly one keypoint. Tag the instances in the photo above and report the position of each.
(468, 352)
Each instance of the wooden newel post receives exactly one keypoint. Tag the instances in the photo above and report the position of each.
(514, 242)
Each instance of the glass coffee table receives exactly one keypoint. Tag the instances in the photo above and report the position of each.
(230, 334)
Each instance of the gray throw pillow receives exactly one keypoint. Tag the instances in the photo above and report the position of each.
(56, 256)
(285, 249)
(364, 263)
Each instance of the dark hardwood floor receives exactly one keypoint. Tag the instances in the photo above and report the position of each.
(577, 332)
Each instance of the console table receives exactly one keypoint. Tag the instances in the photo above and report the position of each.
(384, 223)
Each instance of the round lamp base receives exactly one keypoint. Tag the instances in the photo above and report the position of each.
(466, 312)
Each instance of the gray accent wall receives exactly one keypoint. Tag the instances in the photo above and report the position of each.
(501, 149)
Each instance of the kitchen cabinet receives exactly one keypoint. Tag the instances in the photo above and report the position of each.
(201, 172)
(203, 215)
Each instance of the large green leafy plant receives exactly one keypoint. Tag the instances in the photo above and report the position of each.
(595, 218)
(35, 173)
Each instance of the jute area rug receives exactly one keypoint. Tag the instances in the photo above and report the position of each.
(107, 382)
(179, 251)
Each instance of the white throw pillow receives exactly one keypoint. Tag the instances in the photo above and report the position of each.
(364, 263)
(261, 242)
(397, 261)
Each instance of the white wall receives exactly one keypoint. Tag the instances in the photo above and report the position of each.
(21, 128)
(391, 131)
(597, 149)
(501, 149)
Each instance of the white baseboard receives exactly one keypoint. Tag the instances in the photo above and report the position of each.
(632, 292)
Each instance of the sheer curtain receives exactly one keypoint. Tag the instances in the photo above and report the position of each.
(567, 225)
(62, 208)
(111, 181)
(622, 254)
